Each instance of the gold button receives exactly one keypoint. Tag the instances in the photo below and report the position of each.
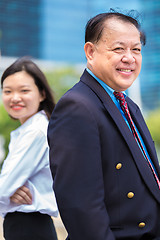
(130, 195)
(141, 225)
(118, 166)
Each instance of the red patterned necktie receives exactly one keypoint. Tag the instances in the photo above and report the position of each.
(125, 109)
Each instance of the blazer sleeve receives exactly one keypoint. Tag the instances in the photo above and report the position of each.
(75, 160)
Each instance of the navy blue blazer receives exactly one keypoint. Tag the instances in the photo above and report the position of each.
(104, 187)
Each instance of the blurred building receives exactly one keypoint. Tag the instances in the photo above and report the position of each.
(20, 27)
(150, 75)
(53, 30)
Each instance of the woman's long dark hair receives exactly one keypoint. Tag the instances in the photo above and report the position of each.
(25, 64)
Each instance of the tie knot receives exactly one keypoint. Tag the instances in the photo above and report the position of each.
(119, 95)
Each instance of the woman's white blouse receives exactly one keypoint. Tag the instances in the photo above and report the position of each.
(27, 164)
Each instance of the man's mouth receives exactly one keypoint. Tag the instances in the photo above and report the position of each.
(124, 70)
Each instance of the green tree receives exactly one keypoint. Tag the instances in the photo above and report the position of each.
(61, 80)
(6, 126)
(153, 122)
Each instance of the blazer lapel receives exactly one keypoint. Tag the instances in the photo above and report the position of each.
(143, 129)
(141, 125)
(114, 112)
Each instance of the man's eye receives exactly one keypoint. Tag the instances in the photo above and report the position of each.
(118, 49)
(138, 50)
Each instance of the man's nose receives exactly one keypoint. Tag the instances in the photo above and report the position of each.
(128, 57)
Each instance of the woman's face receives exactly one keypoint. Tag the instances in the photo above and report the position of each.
(20, 95)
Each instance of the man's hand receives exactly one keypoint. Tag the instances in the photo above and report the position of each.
(22, 196)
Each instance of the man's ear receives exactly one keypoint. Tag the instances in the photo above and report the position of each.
(89, 49)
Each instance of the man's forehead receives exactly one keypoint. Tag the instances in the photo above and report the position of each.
(119, 28)
(115, 22)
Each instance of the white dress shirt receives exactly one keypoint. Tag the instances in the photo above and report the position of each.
(27, 164)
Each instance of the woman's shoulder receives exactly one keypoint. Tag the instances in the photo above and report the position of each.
(37, 123)
(40, 122)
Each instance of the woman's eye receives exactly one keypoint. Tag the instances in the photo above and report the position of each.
(7, 91)
(24, 90)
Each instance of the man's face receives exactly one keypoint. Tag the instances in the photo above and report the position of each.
(116, 58)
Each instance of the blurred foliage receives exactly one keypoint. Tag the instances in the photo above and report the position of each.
(60, 80)
(6, 126)
(153, 123)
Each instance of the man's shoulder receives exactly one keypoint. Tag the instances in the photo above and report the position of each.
(79, 93)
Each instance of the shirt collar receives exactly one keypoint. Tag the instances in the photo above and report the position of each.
(108, 89)
(21, 128)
